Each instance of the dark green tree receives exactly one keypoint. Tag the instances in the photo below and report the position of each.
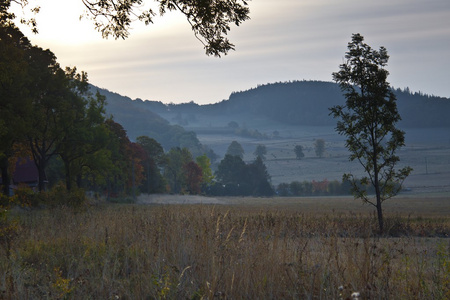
(209, 20)
(15, 103)
(204, 163)
(242, 179)
(368, 121)
(258, 178)
(231, 170)
(118, 172)
(298, 149)
(260, 151)
(235, 149)
(174, 169)
(85, 133)
(50, 94)
(153, 180)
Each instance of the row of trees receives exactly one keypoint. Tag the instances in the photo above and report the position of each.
(236, 149)
(46, 111)
(235, 177)
(50, 115)
(319, 149)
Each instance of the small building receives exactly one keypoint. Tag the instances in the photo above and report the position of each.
(26, 173)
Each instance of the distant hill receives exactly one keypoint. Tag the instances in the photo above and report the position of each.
(307, 103)
(297, 103)
(138, 121)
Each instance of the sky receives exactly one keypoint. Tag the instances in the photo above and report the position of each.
(285, 40)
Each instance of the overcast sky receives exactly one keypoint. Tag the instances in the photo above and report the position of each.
(284, 40)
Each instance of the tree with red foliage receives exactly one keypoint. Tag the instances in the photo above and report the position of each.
(193, 177)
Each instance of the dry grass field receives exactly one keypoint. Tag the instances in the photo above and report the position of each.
(230, 248)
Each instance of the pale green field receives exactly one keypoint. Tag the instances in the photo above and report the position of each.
(427, 151)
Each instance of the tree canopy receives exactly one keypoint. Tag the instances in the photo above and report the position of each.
(238, 178)
(235, 149)
(298, 149)
(260, 151)
(319, 147)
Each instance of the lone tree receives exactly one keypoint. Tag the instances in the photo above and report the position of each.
(298, 149)
(368, 120)
(319, 147)
(261, 151)
(235, 149)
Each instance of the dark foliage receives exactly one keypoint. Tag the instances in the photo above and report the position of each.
(235, 178)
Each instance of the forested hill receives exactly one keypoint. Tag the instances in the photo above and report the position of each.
(307, 103)
(294, 103)
(138, 121)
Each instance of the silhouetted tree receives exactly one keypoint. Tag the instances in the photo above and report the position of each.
(231, 170)
(260, 151)
(368, 120)
(15, 104)
(235, 149)
(298, 149)
(153, 181)
(174, 169)
(241, 179)
(319, 147)
(259, 179)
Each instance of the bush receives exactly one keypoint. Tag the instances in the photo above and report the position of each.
(60, 196)
(26, 196)
(9, 226)
(57, 196)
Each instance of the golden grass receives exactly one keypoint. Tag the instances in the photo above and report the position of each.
(239, 252)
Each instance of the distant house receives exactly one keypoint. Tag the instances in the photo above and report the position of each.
(25, 172)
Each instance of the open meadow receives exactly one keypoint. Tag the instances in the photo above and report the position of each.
(427, 151)
(230, 248)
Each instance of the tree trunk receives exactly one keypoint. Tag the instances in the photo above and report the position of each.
(42, 178)
(380, 215)
(79, 181)
(378, 195)
(377, 185)
(5, 175)
(68, 177)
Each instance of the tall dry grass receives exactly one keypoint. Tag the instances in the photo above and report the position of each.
(208, 252)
